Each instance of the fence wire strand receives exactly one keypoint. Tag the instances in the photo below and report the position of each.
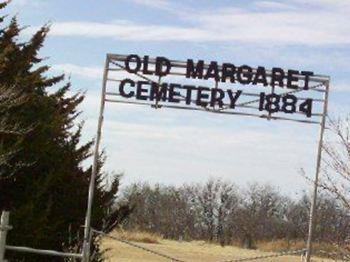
(280, 254)
(138, 246)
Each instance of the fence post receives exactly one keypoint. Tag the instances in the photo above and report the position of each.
(4, 227)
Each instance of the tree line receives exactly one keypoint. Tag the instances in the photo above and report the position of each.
(219, 211)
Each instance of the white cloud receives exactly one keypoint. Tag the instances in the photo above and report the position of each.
(172, 7)
(94, 72)
(20, 4)
(281, 24)
(343, 5)
(159, 4)
(274, 6)
(84, 71)
(123, 30)
(293, 27)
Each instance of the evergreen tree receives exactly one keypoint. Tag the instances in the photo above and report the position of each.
(42, 180)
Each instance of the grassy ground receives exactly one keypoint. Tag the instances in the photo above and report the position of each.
(195, 251)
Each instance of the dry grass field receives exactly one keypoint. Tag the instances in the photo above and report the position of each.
(195, 251)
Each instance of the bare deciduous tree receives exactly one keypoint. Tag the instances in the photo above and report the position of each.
(336, 161)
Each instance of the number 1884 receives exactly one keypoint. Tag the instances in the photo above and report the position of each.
(289, 104)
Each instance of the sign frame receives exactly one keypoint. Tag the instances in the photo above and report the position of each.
(113, 63)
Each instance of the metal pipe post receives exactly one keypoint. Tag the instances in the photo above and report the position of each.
(318, 167)
(87, 229)
(42, 252)
(4, 227)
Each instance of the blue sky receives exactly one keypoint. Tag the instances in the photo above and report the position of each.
(175, 147)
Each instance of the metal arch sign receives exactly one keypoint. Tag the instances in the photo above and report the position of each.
(273, 94)
(221, 88)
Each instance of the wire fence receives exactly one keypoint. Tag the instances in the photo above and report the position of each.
(280, 254)
(4, 227)
(336, 256)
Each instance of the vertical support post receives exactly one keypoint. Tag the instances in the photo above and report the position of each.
(87, 229)
(4, 227)
(156, 104)
(318, 167)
